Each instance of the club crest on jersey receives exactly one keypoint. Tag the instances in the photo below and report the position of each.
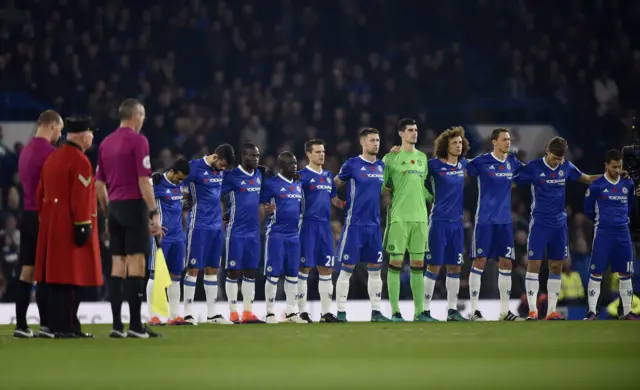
(625, 190)
(561, 173)
(508, 166)
(419, 163)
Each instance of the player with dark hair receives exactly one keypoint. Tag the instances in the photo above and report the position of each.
(167, 188)
(548, 233)
(205, 236)
(316, 238)
(282, 242)
(446, 231)
(242, 188)
(361, 239)
(32, 158)
(493, 230)
(609, 202)
(405, 174)
(124, 168)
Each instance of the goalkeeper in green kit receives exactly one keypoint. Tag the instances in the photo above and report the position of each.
(407, 228)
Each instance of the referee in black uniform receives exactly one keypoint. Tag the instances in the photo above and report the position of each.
(125, 192)
(33, 156)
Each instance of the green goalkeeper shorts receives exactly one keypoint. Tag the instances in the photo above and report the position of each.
(401, 237)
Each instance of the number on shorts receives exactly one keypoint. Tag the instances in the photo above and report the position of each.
(329, 262)
(460, 260)
(630, 267)
(510, 254)
(380, 257)
(566, 252)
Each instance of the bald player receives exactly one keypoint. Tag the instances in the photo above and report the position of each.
(32, 158)
(124, 168)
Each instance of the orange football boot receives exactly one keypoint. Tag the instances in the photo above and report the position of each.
(554, 316)
(234, 317)
(533, 315)
(155, 321)
(178, 321)
(250, 318)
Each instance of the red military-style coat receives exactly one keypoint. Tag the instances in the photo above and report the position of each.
(67, 197)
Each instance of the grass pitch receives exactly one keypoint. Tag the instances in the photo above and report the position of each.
(496, 355)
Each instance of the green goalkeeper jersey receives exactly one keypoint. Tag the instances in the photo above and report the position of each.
(405, 174)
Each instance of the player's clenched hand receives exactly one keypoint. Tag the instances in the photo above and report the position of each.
(269, 208)
(395, 149)
(338, 203)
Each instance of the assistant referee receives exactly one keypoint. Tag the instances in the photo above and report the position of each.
(125, 193)
(32, 158)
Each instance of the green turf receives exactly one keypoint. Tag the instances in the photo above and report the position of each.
(540, 355)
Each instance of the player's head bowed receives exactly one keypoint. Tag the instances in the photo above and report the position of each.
(288, 165)
(451, 142)
(224, 157)
(556, 149)
(178, 171)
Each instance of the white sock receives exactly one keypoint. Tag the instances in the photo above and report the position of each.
(302, 292)
(475, 278)
(429, 285)
(270, 291)
(553, 291)
(189, 293)
(149, 296)
(211, 292)
(231, 289)
(290, 292)
(504, 287)
(532, 285)
(325, 289)
(173, 294)
(248, 293)
(593, 292)
(453, 288)
(374, 287)
(342, 289)
(626, 294)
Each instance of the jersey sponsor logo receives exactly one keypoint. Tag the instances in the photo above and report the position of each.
(290, 196)
(554, 181)
(622, 198)
(214, 180)
(501, 174)
(452, 173)
(173, 198)
(320, 187)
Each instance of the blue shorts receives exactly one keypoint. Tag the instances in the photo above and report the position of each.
(173, 252)
(554, 240)
(204, 248)
(492, 241)
(279, 253)
(614, 247)
(316, 244)
(360, 243)
(446, 243)
(242, 252)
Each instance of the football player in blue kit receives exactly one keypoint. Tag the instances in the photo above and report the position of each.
(282, 242)
(548, 233)
(609, 202)
(167, 190)
(205, 238)
(316, 237)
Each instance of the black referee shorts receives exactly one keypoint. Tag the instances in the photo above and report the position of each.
(28, 238)
(128, 227)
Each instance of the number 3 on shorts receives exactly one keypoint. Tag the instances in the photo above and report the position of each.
(380, 257)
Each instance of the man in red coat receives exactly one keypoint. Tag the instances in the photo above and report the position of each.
(68, 254)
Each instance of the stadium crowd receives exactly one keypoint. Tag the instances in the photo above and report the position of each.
(278, 75)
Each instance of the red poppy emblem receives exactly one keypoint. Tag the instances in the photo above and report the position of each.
(413, 162)
(282, 196)
(614, 189)
(243, 189)
(250, 181)
(373, 168)
(553, 175)
(502, 167)
(290, 188)
(322, 180)
(312, 188)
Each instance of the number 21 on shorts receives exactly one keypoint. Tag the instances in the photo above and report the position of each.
(511, 254)
(329, 261)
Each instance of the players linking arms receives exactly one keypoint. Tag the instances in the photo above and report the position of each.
(316, 238)
(548, 232)
(282, 243)
(167, 190)
(407, 227)
(609, 201)
(361, 237)
(446, 230)
(205, 237)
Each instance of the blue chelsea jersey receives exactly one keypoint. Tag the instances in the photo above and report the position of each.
(609, 203)
(243, 189)
(494, 187)
(203, 186)
(318, 189)
(287, 196)
(169, 202)
(447, 185)
(548, 189)
(363, 180)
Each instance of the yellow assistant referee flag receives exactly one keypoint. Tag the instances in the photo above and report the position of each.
(161, 281)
